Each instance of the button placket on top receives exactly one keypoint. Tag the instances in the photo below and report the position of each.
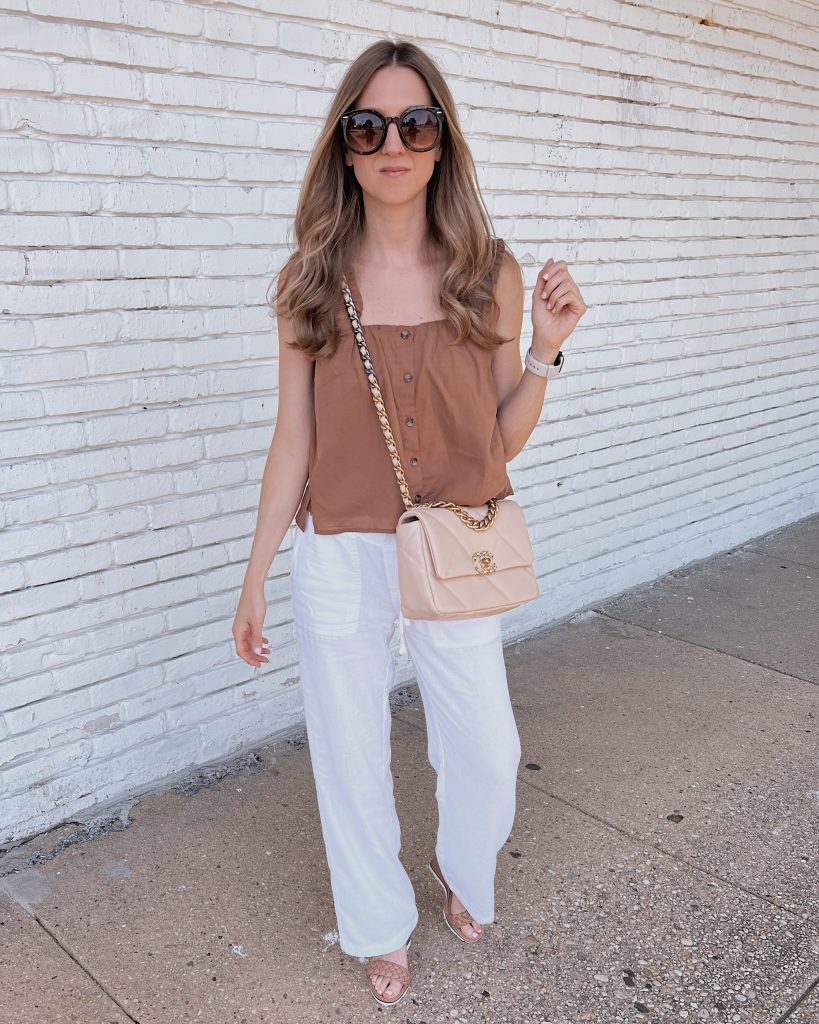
(404, 377)
(407, 410)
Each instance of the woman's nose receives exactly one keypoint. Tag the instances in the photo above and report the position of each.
(393, 142)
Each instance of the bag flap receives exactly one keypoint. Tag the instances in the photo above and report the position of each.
(456, 550)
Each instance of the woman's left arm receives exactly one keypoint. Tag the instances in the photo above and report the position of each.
(557, 305)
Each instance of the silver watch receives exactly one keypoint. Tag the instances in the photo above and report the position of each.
(547, 370)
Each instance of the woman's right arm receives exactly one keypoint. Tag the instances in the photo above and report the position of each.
(283, 482)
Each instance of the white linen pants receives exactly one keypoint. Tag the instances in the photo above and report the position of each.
(346, 606)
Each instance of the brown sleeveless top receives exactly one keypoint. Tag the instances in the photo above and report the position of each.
(441, 404)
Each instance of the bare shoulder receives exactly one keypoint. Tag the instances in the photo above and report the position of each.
(509, 281)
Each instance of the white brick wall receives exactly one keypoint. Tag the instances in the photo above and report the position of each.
(151, 154)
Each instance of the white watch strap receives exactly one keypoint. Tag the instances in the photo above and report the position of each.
(547, 370)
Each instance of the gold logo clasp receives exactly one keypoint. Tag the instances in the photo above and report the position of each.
(484, 562)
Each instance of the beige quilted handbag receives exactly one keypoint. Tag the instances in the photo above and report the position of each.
(454, 561)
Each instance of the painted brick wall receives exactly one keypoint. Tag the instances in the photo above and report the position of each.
(151, 157)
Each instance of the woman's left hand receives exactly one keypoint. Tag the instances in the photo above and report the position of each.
(557, 305)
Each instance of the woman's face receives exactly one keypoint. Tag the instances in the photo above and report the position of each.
(390, 91)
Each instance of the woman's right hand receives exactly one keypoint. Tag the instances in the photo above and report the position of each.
(248, 625)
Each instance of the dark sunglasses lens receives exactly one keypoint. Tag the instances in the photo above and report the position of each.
(364, 131)
(420, 127)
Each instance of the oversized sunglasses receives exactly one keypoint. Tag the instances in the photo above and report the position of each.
(365, 131)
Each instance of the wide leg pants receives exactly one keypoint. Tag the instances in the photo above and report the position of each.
(346, 607)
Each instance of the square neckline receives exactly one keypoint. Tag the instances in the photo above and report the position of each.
(352, 281)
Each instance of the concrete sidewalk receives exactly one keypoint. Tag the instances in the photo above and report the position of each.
(663, 866)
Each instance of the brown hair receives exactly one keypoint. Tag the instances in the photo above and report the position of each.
(330, 217)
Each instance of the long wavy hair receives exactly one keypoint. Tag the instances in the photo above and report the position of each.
(329, 219)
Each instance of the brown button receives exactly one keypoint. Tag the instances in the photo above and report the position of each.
(413, 461)
(409, 421)
(407, 376)
(405, 334)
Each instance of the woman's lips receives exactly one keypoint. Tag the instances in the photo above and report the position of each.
(395, 174)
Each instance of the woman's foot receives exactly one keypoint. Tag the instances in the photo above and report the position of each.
(457, 917)
(384, 986)
(471, 930)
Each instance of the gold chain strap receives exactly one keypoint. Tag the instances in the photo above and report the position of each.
(463, 515)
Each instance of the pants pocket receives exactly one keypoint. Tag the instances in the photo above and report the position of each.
(326, 583)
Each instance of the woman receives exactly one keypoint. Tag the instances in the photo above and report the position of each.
(390, 204)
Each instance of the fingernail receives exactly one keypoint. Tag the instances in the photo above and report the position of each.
(257, 650)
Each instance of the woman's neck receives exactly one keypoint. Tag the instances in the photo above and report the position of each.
(395, 240)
